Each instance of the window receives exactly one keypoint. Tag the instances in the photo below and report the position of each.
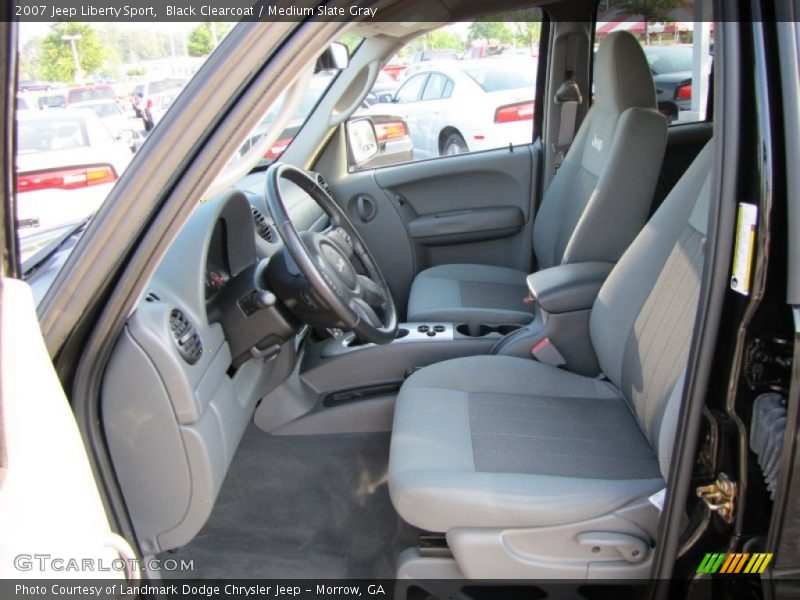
(434, 89)
(678, 50)
(411, 89)
(465, 87)
(69, 160)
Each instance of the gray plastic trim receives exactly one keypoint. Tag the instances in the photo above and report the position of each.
(332, 365)
(459, 226)
(560, 552)
(173, 428)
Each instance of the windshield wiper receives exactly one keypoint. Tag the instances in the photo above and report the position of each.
(30, 264)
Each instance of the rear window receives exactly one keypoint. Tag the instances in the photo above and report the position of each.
(496, 78)
(88, 94)
(45, 135)
(105, 110)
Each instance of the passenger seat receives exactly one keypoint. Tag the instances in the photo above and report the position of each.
(595, 205)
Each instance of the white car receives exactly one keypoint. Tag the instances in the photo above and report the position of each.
(459, 106)
(151, 99)
(124, 127)
(67, 162)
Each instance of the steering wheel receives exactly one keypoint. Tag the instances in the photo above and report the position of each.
(356, 300)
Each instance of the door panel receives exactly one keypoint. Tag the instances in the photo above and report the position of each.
(468, 208)
(482, 202)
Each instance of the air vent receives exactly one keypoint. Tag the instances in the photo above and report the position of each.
(183, 331)
(324, 185)
(263, 228)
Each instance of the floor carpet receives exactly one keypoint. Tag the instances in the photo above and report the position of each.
(302, 507)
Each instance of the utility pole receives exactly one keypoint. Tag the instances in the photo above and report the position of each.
(72, 39)
(214, 40)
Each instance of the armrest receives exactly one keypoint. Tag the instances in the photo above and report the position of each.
(569, 287)
(466, 225)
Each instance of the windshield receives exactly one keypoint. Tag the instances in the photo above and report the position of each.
(317, 86)
(73, 146)
(50, 133)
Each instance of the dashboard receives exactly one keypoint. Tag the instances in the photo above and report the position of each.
(206, 342)
(217, 269)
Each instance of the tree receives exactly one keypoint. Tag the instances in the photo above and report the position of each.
(57, 60)
(351, 40)
(30, 59)
(131, 45)
(649, 11)
(497, 32)
(527, 34)
(205, 37)
(440, 39)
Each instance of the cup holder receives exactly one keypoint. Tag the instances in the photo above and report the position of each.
(506, 329)
(483, 329)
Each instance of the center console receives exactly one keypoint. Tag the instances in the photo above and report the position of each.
(343, 363)
(336, 372)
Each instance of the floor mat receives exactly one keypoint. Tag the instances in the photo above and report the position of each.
(302, 507)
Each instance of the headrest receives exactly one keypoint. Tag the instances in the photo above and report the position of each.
(622, 76)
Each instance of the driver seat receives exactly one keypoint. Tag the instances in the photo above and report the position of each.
(536, 472)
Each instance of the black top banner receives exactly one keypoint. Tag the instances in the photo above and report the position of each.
(143, 11)
(202, 10)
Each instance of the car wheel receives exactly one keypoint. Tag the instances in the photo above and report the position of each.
(454, 144)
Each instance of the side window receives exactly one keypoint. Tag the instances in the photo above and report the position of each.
(465, 87)
(448, 89)
(678, 49)
(434, 89)
(411, 89)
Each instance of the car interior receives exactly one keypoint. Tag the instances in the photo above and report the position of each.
(469, 366)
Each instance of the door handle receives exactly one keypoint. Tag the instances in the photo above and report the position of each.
(364, 208)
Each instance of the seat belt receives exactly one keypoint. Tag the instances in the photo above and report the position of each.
(568, 96)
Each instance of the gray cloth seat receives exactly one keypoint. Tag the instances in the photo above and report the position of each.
(491, 294)
(494, 441)
(593, 208)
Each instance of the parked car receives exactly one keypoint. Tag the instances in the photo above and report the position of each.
(382, 91)
(394, 69)
(23, 103)
(67, 161)
(151, 99)
(394, 143)
(671, 67)
(38, 86)
(438, 54)
(52, 100)
(85, 93)
(457, 106)
(124, 127)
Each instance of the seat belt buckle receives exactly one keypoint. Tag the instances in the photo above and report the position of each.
(546, 352)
